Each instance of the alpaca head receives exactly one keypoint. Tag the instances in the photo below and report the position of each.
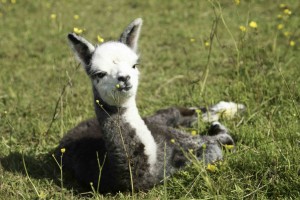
(111, 66)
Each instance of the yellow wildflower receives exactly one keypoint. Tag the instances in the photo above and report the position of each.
(279, 16)
(292, 43)
(253, 24)
(211, 168)
(287, 11)
(76, 17)
(63, 150)
(282, 5)
(286, 33)
(53, 16)
(13, 1)
(192, 40)
(198, 111)
(243, 28)
(172, 141)
(229, 147)
(207, 44)
(77, 30)
(100, 39)
(194, 132)
(237, 2)
(280, 26)
(42, 195)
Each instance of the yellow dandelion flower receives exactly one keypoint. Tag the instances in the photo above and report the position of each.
(253, 24)
(172, 141)
(53, 16)
(286, 33)
(117, 85)
(76, 17)
(100, 39)
(287, 11)
(292, 43)
(207, 44)
(192, 40)
(237, 2)
(194, 132)
(279, 16)
(229, 147)
(243, 28)
(63, 150)
(13, 1)
(280, 26)
(211, 168)
(77, 30)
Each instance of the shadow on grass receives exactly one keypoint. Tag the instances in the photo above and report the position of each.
(40, 167)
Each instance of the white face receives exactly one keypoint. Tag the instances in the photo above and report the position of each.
(114, 73)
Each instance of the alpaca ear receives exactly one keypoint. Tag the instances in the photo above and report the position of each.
(131, 34)
(82, 48)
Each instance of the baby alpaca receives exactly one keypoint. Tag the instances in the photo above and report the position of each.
(131, 150)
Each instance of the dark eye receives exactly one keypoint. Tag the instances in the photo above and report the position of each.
(99, 75)
(134, 66)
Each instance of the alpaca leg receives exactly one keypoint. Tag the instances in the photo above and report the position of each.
(220, 133)
(216, 139)
(181, 116)
(174, 117)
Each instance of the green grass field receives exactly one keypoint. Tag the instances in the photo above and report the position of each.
(192, 53)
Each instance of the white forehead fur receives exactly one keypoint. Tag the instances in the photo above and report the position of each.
(116, 59)
(111, 53)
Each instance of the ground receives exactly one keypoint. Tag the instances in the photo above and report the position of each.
(192, 53)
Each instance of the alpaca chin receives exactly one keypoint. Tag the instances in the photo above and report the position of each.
(115, 97)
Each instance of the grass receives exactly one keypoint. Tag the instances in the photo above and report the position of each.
(192, 53)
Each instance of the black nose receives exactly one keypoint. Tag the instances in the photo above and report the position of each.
(123, 78)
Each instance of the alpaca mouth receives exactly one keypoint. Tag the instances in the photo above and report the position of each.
(124, 88)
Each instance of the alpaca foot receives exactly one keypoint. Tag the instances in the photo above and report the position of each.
(217, 139)
(220, 133)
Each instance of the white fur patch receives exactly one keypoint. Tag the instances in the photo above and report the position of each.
(223, 108)
(132, 117)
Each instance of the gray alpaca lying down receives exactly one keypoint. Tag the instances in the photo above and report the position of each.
(132, 151)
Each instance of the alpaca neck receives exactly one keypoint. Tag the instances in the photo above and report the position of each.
(130, 115)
